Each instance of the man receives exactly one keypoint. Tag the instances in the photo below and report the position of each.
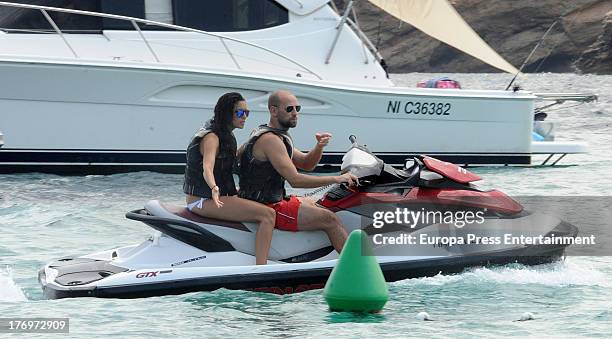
(269, 158)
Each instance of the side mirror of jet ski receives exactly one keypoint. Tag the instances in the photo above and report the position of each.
(353, 139)
(410, 163)
(354, 144)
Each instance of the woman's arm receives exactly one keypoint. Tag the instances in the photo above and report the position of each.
(209, 147)
(240, 150)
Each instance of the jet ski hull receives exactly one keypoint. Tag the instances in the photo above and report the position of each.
(279, 279)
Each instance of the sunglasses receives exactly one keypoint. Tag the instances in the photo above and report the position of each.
(289, 109)
(242, 112)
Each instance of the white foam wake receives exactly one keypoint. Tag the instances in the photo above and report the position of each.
(572, 271)
(9, 291)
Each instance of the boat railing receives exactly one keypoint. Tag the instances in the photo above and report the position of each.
(354, 24)
(339, 30)
(135, 21)
(557, 99)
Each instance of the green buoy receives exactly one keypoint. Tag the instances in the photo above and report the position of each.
(357, 283)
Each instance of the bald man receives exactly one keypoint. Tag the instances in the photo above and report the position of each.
(269, 159)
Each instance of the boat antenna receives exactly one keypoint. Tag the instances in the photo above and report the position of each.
(333, 5)
(544, 59)
(531, 54)
(378, 34)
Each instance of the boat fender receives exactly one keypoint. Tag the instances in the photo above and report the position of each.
(443, 82)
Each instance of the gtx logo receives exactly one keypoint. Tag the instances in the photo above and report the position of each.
(147, 274)
(151, 274)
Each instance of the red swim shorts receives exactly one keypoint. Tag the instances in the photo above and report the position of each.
(287, 213)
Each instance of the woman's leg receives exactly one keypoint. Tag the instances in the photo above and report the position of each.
(238, 209)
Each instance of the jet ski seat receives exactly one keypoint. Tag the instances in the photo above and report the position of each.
(183, 212)
(222, 235)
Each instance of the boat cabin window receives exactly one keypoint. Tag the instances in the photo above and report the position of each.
(14, 19)
(20, 20)
(229, 15)
(213, 16)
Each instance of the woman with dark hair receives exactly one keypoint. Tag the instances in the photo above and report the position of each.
(209, 181)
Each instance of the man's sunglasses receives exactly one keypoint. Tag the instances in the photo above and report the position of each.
(289, 109)
(242, 112)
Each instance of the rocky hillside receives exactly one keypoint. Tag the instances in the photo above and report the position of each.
(580, 42)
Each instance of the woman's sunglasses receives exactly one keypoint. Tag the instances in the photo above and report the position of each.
(242, 112)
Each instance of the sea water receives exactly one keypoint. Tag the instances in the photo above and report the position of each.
(43, 217)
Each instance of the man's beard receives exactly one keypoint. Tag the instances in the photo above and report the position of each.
(287, 123)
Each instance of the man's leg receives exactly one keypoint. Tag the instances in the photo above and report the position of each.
(312, 217)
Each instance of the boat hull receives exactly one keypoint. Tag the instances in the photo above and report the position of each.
(108, 118)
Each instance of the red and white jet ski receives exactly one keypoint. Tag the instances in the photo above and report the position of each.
(188, 253)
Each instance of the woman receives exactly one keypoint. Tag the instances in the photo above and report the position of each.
(209, 182)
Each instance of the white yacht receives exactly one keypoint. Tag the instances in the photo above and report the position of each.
(103, 86)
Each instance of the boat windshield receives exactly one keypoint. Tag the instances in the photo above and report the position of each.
(211, 16)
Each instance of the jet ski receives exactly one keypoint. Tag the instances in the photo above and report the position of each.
(190, 253)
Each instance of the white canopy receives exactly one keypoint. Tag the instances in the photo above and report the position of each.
(438, 19)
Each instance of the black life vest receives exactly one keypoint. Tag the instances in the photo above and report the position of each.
(194, 183)
(259, 181)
